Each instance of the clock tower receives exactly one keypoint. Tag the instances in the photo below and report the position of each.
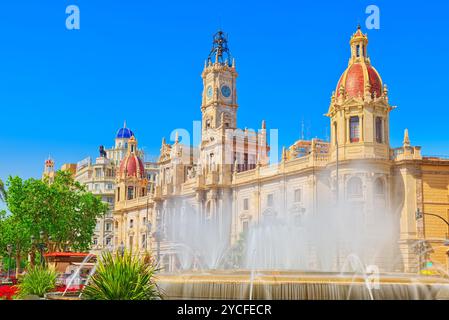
(219, 103)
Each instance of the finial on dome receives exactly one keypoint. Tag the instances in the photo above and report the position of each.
(132, 145)
(264, 125)
(284, 154)
(124, 124)
(406, 142)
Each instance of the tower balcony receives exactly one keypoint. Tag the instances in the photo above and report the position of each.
(167, 189)
(211, 178)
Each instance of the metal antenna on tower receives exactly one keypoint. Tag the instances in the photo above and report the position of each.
(302, 128)
(220, 48)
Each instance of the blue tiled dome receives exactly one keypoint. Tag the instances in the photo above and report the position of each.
(124, 133)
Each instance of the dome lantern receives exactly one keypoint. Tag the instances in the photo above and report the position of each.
(360, 80)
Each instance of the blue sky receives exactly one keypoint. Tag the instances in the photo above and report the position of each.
(65, 92)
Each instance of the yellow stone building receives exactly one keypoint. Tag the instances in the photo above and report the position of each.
(231, 182)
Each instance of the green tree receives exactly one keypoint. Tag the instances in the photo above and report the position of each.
(2, 191)
(73, 213)
(13, 232)
(62, 210)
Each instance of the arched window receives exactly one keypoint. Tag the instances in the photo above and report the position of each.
(354, 129)
(131, 223)
(355, 188)
(379, 187)
(358, 51)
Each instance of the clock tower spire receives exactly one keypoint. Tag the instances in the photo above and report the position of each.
(219, 103)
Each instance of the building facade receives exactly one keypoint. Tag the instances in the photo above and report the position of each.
(228, 178)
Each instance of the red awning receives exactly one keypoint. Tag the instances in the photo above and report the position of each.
(67, 254)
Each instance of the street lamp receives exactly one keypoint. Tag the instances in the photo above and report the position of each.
(40, 245)
(419, 215)
(149, 226)
(158, 237)
(9, 251)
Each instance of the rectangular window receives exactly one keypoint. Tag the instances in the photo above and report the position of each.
(379, 130)
(358, 51)
(246, 204)
(108, 227)
(245, 226)
(144, 241)
(118, 194)
(108, 241)
(354, 128)
(130, 193)
(298, 195)
(98, 173)
(270, 200)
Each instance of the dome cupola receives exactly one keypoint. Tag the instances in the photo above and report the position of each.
(124, 133)
(360, 79)
(132, 166)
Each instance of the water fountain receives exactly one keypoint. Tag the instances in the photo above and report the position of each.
(331, 255)
(334, 254)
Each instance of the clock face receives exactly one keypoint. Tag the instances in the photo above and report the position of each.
(225, 91)
(209, 92)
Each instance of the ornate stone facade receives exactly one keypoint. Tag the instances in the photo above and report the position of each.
(228, 177)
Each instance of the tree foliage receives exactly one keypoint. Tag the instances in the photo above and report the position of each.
(2, 191)
(62, 210)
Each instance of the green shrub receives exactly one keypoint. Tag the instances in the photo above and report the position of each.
(122, 277)
(37, 281)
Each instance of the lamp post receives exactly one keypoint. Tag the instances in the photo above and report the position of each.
(41, 246)
(32, 251)
(9, 251)
(158, 236)
(149, 226)
(420, 215)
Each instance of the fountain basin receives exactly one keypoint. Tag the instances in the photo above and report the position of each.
(68, 296)
(285, 285)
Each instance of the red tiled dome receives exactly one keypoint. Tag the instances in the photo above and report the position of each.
(353, 80)
(132, 166)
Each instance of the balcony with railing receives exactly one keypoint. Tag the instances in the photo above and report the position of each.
(406, 153)
(284, 167)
